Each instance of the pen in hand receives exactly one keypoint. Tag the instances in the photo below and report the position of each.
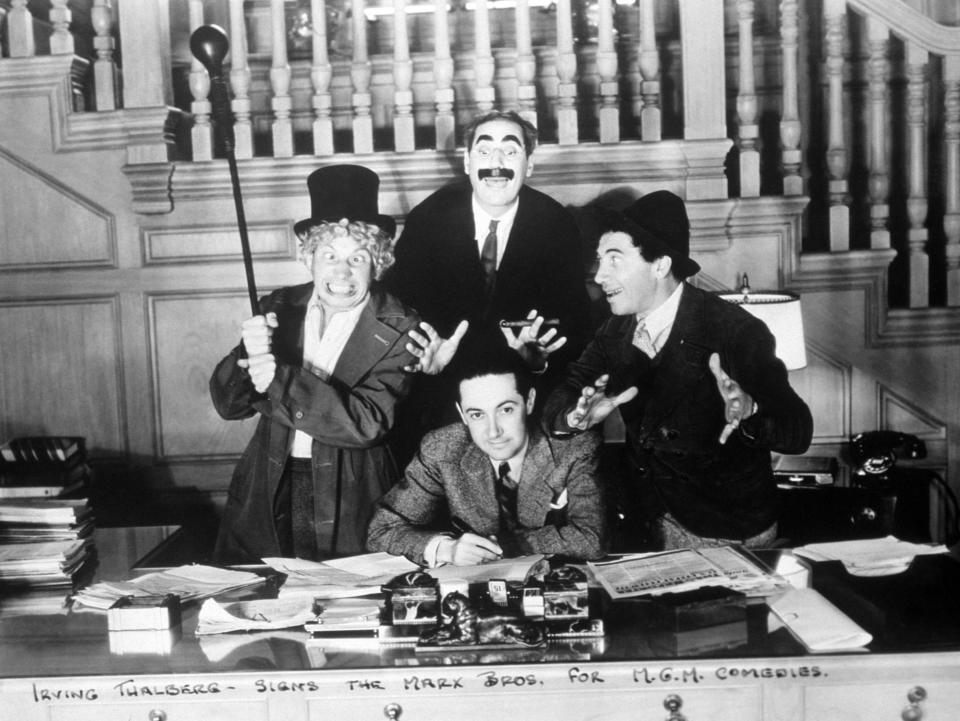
(463, 528)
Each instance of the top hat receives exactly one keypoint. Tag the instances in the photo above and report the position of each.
(344, 191)
(658, 221)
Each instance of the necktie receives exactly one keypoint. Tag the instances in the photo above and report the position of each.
(643, 341)
(507, 500)
(488, 256)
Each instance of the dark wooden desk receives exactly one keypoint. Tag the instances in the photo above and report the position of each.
(65, 665)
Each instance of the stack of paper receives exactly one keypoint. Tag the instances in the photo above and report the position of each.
(339, 578)
(871, 556)
(43, 563)
(519, 569)
(189, 582)
(818, 624)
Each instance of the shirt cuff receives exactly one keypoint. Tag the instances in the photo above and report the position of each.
(437, 548)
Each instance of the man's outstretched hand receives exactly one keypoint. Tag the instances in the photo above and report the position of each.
(738, 404)
(594, 405)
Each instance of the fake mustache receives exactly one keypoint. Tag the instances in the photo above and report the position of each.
(495, 173)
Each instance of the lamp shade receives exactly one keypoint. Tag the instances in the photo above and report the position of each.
(780, 310)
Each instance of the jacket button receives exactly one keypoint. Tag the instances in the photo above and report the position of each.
(642, 470)
(298, 415)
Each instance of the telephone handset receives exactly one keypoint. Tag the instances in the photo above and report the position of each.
(876, 452)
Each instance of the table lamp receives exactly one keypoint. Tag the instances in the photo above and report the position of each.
(780, 310)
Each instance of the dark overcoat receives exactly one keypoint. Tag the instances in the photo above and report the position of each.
(674, 424)
(348, 415)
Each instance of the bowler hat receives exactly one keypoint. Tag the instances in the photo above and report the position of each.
(344, 191)
(658, 221)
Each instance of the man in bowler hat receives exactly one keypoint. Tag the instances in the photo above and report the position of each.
(322, 367)
(703, 397)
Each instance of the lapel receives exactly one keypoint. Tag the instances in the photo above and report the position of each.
(683, 359)
(538, 482)
(478, 491)
(520, 238)
(370, 341)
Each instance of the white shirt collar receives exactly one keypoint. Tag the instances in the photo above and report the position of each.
(516, 463)
(481, 226)
(660, 320)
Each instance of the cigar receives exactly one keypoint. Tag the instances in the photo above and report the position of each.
(526, 323)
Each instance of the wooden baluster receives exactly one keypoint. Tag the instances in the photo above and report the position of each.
(526, 66)
(607, 69)
(951, 215)
(403, 131)
(567, 130)
(650, 125)
(281, 129)
(104, 68)
(483, 65)
(61, 41)
(839, 214)
(321, 75)
(790, 128)
(360, 72)
(748, 132)
(201, 134)
(240, 83)
(20, 31)
(919, 262)
(878, 71)
(443, 97)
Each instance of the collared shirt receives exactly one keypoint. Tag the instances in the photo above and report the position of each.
(659, 321)
(481, 226)
(320, 354)
(431, 550)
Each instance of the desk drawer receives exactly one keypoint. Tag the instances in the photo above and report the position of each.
(934, 701)
(163, 709)
(716, 704)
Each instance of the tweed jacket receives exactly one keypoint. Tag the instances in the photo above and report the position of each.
(674, 424)
(452, 477)
(349, 416)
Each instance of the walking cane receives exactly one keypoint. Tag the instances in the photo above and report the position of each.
(209, 45)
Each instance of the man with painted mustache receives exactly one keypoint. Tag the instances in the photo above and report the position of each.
(483, 249)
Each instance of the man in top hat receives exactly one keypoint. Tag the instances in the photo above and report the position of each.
(703, 397)
(322, 366)
(488, 248)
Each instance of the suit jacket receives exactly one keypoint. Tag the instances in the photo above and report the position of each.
(452, 477)
(674, 424)
(349, 416)
(438, 270)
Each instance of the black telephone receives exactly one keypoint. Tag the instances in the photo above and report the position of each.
(875, 452)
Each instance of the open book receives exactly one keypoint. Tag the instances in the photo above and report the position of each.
(651, 574)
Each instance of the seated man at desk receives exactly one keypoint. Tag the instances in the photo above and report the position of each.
(501, 484)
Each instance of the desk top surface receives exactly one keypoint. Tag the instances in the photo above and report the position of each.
(915, 611)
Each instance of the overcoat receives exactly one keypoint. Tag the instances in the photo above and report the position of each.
(673, 426)
(349, 416)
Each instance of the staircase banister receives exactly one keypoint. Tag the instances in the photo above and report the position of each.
(909, 24)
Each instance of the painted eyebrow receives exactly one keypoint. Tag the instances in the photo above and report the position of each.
(505, 138)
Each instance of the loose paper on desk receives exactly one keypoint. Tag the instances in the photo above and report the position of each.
(189, 582)
(816, 623)
(259, 615)
(342, 577)
(651, 574)
(870, 556)
(518, 569)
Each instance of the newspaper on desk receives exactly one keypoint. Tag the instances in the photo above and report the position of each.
(652, 574)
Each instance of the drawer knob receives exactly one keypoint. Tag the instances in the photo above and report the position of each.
(392, 711)
(157, 714)
(672, 703)
(914, 712)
